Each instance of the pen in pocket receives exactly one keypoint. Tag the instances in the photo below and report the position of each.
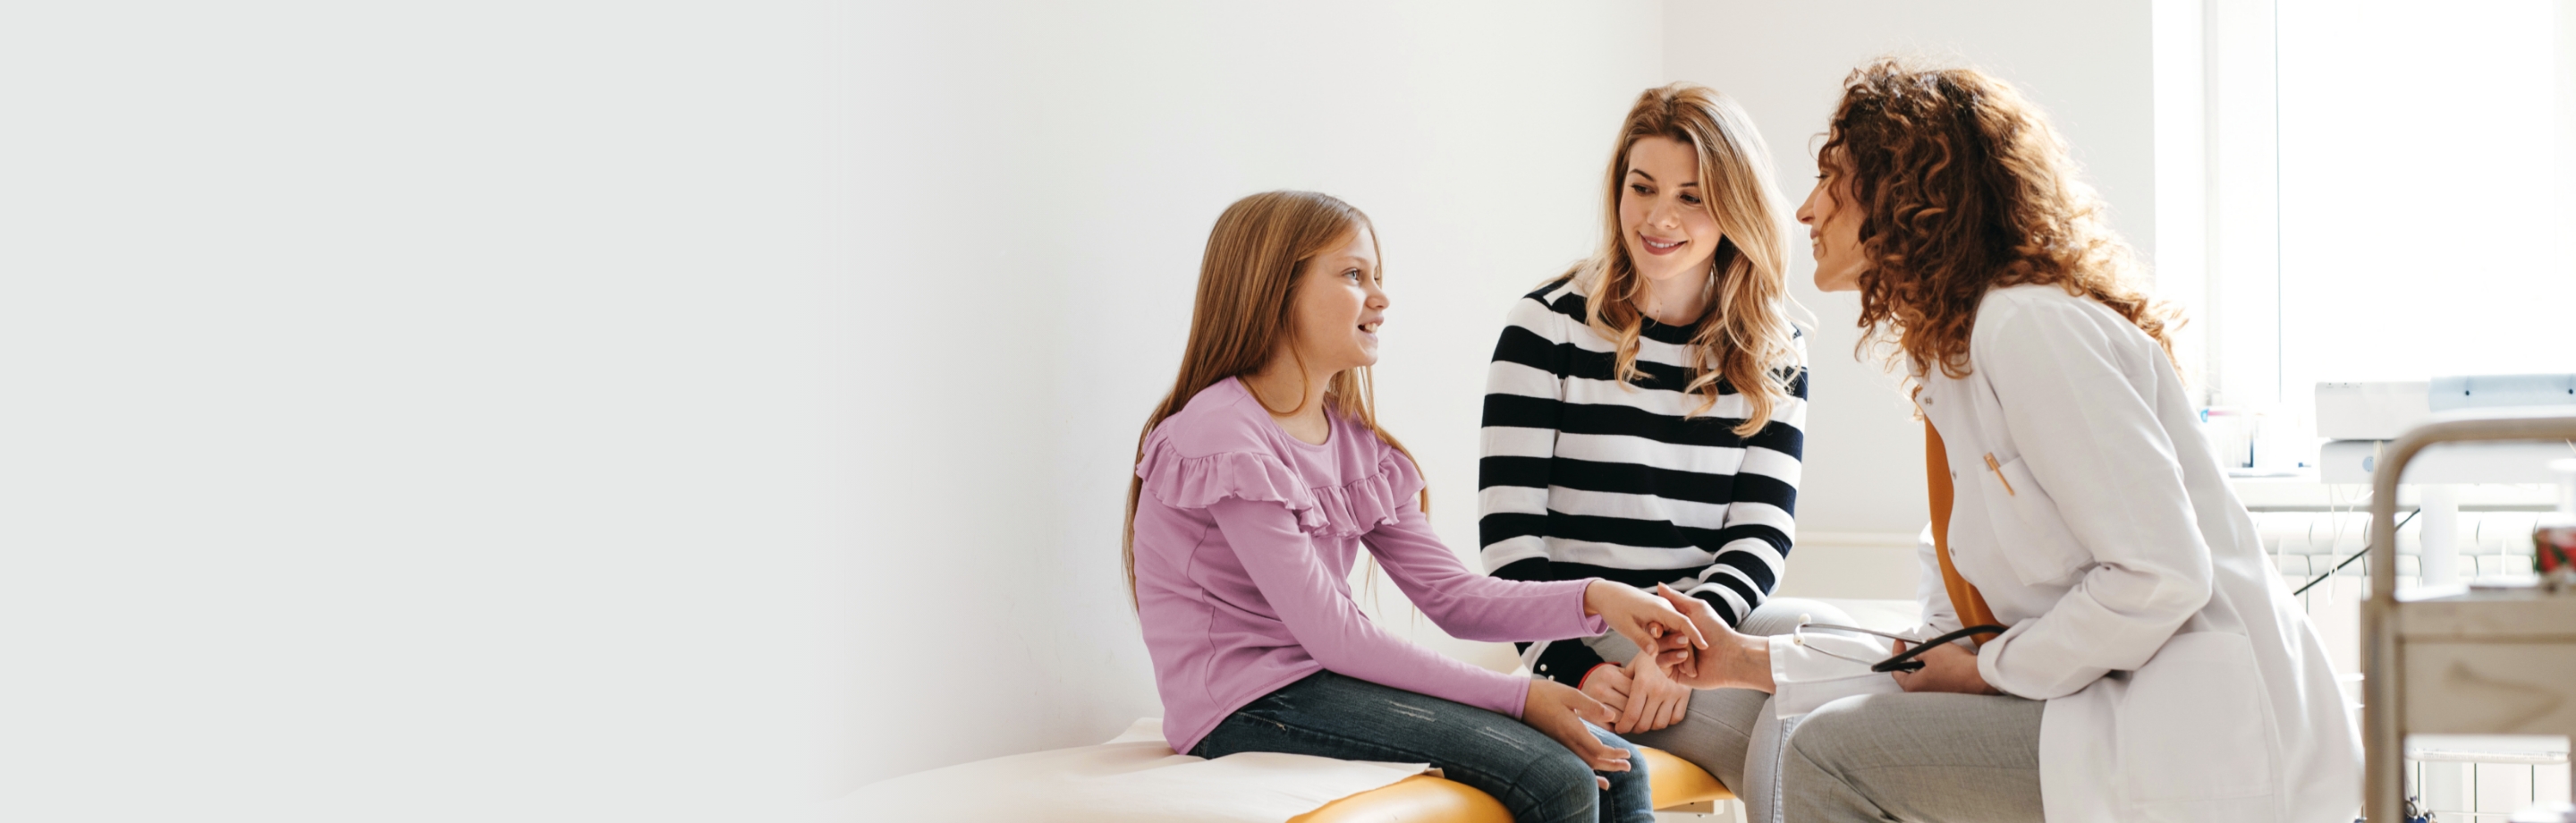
(1998, 469)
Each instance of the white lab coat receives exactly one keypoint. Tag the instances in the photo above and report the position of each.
(2183, 682)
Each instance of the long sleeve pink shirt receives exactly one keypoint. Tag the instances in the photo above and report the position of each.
(1244, 543)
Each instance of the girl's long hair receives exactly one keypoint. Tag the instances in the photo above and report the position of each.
(1247, 291)
(1745, 338)
(1964, 187)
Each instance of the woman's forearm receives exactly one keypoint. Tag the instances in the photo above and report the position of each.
(1747, 663)
(1733, 660)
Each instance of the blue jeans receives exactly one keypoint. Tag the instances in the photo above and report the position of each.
(1537, 778)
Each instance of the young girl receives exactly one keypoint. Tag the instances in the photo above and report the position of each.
(2153, 667)
(1259, 479)
(1642, 417)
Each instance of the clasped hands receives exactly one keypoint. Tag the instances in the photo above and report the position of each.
(1670, 639)
(1683, 644)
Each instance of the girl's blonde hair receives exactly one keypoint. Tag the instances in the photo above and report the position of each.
(1245, 311)
(1745, 339)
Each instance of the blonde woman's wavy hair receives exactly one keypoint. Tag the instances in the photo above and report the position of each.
(1745, 339)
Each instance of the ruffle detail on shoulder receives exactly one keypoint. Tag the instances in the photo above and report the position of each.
(1377, 500)
(1347, 510)
(1199, 482)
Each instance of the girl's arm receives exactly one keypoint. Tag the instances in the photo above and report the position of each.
(2097, 448)
(1306, 596)
(1476, 607)
(1471, 606)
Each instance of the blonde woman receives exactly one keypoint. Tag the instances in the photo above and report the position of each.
(1261, 476)
(1643, 412)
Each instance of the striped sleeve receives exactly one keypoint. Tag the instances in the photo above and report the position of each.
(1641, 481)
(1524, 392)
(1523, 397)
(1761, 515)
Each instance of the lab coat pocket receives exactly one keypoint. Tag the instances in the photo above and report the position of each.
(2193, 725)
(2033, 535)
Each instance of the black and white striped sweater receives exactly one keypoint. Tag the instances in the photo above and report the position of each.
(1581, 477)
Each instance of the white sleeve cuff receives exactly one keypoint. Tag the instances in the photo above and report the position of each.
(1805, 679)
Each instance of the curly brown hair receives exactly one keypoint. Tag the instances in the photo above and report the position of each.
(1964, 187)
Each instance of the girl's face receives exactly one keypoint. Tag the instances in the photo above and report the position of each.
(1339, 306)
(1833, 228)
(1663, 216)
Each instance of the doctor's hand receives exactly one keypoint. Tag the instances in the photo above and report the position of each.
(1558, 711)
(1945, 669)
(1729, 661)
(1654, 700)
(1649, 622)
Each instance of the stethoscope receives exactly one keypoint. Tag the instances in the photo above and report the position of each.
(1904, 661)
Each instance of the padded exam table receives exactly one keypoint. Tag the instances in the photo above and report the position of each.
(1422, 798)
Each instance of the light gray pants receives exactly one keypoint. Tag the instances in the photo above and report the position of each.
(1933, 758)
(1719, 726)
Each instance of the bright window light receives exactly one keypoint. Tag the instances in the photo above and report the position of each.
(2424, 203)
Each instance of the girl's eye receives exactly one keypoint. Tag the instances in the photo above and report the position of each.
(1352, 274)
(1692, 199)
(1639, 188)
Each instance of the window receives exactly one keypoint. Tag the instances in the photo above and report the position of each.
(2366, 191)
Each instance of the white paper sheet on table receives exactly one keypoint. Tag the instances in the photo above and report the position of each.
(1133, 777)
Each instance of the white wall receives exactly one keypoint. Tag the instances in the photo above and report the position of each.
(2089, 64)
(571, 410)
(412, 413)
(1037, 183)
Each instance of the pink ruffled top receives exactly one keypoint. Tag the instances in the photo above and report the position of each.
(1245, 538)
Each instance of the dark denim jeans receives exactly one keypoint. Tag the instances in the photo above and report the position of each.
(1538, 779)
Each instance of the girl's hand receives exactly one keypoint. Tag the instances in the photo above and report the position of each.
(1558, 711)
(1649, 622)
(1654, 701)
(1945, 669)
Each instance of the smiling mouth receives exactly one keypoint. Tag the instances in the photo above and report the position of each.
(1371, 326)
(1654, 246)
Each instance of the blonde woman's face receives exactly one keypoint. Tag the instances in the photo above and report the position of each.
(1833, 229)
(1663, 216)
(1339, 306)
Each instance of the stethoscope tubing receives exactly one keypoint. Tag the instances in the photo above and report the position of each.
(1903, 661)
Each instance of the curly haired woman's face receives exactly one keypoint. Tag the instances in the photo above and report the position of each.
(1663, 217)
(1833, 229)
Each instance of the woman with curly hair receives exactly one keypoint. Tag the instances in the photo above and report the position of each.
(2142, 660)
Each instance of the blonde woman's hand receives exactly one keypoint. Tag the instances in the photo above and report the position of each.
(1654, 700)
(1608, 683)
(1558, 711)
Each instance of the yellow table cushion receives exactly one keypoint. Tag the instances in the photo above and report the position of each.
(1426, 799)
(1677, 782)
